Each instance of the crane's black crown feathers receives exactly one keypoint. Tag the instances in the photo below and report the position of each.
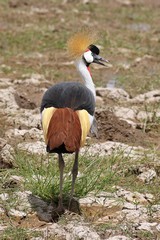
(94, 49)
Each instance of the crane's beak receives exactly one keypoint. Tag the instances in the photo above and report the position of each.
(99, 60)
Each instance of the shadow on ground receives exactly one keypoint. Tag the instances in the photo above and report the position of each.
(47, 211)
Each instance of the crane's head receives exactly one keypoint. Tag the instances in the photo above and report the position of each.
(81, 45)
(91, 55)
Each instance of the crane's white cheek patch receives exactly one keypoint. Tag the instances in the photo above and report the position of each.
(88, 57)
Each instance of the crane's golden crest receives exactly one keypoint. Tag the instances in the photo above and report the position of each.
(78, 44)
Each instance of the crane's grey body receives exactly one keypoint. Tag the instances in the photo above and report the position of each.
(71, 95)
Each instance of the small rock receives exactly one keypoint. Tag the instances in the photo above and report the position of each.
(27, 118)
(147, 176)
(33, 147)
(118, 237)
(128, 205)
(2, 211)
(57, 231)
(83, 232)
(5, 82)
(17, 179)
(6, 156)
(125, 113)
(158, 227)
(13, 182)
(156, 208)
(134, 216)
(149, 97)
(23, 201)
(80, 231)
(143, 115)
(4, 196)
(112, 93)
(33, 79)
(146, 226)
(109, 148)
(7, 100)
(150, 197)
(103, 201)
(99, 101)
(134, 197)
(2, 227)
(17, 213)
(24, 134)
(73, 230)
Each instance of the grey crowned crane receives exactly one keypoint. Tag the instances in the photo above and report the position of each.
(68, 108)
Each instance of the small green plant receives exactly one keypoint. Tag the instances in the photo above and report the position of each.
(145, 235)
(17, 233)
(151, 121)
(41, 174)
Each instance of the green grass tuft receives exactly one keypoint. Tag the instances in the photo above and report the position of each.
(14, 233)
(41, 174)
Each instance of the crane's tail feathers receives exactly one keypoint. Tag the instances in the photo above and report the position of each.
(65, 127)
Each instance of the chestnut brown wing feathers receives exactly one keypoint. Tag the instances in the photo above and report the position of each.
(64, 129)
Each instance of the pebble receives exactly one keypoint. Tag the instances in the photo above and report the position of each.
(4, 196)
(112, 93)
(149, 97)
(23, 201)
(147, 226)
(6, 154)
(158, 227)
(147, 175)
(38, 147)
(2, 211)
(2, 227)
(17, 213)
(118, 237)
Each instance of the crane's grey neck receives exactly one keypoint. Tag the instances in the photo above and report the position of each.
(85, 74)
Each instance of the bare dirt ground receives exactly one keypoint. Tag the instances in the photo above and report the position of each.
(111, 128)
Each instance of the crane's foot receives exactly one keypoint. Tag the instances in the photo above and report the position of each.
(58, 211)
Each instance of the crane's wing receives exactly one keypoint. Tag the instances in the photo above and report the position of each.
(69, 95)
(67, 114)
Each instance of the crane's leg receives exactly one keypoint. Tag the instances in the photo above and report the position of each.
(61, 169)
(74, 175)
